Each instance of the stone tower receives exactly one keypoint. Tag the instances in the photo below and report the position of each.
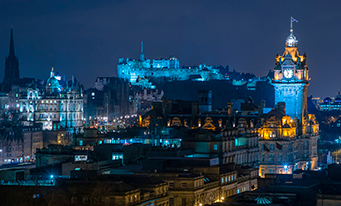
(291, 80)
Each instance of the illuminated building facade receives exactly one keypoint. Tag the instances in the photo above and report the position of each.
(232, 137)
(291, 80)
(58, 105)
(288, 134)
(329, 103)
(138, 71)
(55, 103)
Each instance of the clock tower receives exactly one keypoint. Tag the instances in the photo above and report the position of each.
(291, 80)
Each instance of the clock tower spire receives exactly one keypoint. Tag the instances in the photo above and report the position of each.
(291, 79)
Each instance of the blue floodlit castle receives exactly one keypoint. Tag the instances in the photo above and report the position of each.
(138, 71)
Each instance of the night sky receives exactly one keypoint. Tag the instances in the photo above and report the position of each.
(85, 38)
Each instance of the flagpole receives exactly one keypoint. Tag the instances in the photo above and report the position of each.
(291, 30)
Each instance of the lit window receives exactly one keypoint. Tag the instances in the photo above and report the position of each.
(215, 147)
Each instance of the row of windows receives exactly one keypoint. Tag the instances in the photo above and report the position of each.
(197, 183)
(72, 107)
(225, 180)
(14, 148)
(47, 101)
(243, 190)
(19, 159)
(47, 115)
(74, 115)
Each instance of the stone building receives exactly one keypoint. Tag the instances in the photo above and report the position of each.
(54, 154)
(113, 97)
(94, 107)
(231, 136)
(283, 149)
(288, 134)
(58, 105)
(120, 190)
(19, 144)
(54, 103)
(229, 145)
(201, 181)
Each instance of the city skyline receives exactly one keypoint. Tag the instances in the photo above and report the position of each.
(89, 38)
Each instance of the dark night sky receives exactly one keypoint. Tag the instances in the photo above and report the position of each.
(85, 38)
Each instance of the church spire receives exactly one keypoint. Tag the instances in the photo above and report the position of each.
(11, 68)
(11, 45)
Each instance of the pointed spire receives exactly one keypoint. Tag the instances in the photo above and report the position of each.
(141, 54)
(141, 46)
(11, 45)
(52, 72)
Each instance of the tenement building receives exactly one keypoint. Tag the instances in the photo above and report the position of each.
(288, 134)
(19, 143)
(200, 181)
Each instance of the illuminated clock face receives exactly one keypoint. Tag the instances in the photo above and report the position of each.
(288, 73)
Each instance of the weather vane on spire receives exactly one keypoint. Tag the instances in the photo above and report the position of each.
(291, 21)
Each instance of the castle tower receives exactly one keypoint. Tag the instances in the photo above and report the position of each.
(291, 80)
(141, 54)
(11, 68)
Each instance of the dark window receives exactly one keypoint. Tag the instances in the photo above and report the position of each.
(183, 202)
(171, 201)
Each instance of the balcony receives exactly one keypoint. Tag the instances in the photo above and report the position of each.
(211, 185)
(244, 178)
